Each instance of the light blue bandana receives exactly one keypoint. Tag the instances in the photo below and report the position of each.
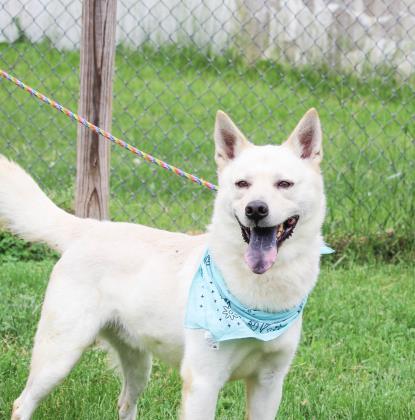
(325, 249)
(211, 307)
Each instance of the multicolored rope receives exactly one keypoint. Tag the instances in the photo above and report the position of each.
(106, 134)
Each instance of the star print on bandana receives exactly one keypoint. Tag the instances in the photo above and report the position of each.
(219, 313)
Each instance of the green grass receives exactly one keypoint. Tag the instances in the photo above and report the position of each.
(356, 359)
(165, 102)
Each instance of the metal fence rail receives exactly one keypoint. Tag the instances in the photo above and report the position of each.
(263, 62)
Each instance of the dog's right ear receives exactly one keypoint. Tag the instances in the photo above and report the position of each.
(229, 140)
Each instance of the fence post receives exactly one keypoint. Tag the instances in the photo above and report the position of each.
(95, 104)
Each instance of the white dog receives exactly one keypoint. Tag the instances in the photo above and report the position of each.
(129, 284)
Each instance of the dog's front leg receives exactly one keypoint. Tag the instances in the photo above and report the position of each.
(264, 394)
(199, 396)
(204, 371)
(264, 388)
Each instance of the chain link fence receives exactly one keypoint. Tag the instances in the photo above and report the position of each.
(263, 62)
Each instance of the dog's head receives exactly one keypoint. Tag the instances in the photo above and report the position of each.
(273, 194)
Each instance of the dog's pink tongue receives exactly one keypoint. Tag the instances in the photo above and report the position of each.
(262, 249)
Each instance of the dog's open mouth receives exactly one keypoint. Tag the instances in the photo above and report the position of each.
(263, 243)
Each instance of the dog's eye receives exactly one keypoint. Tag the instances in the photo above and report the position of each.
(284, 184)
(242, 184)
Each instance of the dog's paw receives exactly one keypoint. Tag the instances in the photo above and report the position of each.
(15, 413)
(127, 411)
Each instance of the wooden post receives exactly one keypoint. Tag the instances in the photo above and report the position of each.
(95, 104)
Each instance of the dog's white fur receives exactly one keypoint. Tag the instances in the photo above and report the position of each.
(129, 283)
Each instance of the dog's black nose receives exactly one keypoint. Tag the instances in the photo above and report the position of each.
(256, 210)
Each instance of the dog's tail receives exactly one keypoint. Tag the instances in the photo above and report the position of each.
(28, 212)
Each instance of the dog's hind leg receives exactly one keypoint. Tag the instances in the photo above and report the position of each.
(135, 367)
(68, 324)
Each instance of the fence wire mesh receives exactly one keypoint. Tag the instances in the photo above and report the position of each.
(263, 62)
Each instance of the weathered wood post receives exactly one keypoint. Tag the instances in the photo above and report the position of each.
(95, 104)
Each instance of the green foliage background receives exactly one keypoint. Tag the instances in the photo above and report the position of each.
(165, 102)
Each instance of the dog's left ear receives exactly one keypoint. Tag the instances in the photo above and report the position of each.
(306, 139)
(229, 140)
